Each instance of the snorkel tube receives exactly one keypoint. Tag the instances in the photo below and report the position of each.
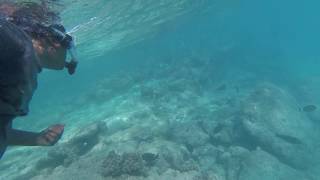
(67, 41)
(72, 51)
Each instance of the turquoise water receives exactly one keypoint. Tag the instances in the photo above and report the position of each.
(181, 90)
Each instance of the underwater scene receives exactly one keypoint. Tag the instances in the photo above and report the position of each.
(180, 90)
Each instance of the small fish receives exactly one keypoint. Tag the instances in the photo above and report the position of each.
(309, 108)
(289, 139)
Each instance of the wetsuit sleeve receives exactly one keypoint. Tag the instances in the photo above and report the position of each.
(11, 44)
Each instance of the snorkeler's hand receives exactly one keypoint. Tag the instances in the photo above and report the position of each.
(71, 66)
(50, 136)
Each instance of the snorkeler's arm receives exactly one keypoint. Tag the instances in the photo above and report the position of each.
(12, 43)
(47, 137)
(21, 138)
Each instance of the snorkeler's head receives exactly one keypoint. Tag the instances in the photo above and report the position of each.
(7, 8)
(49, 37)
(34, 18)
(52, 50)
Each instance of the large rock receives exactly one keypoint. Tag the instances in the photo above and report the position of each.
(87, 137)
(188, 133)
(231, 161)
(263, 166)
(271, 120)
(207, 155)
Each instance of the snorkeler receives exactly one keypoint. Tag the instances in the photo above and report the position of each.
(30, 39)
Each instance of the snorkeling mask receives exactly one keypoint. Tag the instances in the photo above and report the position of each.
(66, 41)
(56, 30)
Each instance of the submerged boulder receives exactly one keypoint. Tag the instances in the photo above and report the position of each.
(189, 134)
(263, 166)
(86, 138)
(231, 161)
(271, 120)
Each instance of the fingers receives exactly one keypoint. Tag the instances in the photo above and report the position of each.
(49, 140)
(56, 128)
(52, 135)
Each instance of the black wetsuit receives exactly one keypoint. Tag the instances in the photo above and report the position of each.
(19, 68)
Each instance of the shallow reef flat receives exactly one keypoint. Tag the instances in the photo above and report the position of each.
(178, 124)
